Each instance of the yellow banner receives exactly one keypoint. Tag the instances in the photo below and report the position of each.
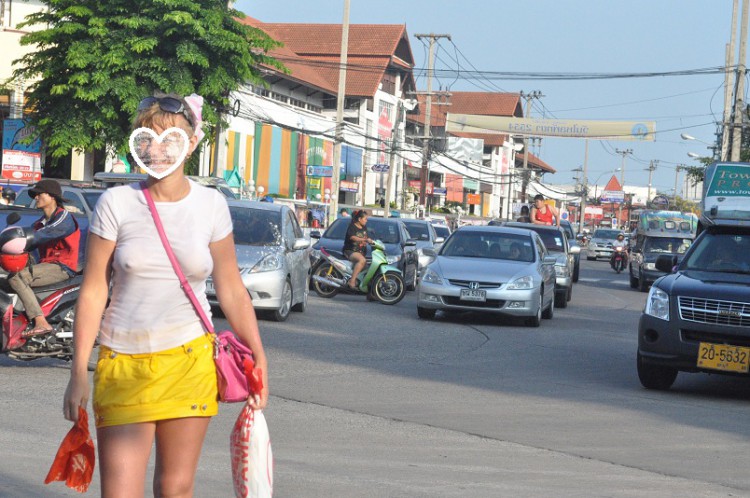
(563, 128)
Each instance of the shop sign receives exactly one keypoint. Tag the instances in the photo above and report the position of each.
(612, 196)
(347, 186)
(21, 161)
(380, 168)
(315, 183)
(416, 184)
(440, 190)
(320, 171)
(474, 199)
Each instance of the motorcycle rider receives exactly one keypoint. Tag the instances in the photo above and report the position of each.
(355, 245)
(57, 237)
(8, 197)
(620, 242)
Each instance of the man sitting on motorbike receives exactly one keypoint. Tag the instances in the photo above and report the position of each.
(355, 244)
(56, 235)
(620, 242)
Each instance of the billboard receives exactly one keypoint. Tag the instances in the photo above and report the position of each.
(612, 196)
(466, 149)
(22, 162)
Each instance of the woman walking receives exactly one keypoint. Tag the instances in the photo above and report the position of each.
(155, 378)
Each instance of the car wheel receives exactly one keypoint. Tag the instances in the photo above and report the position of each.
(633, 280)
(425, 313)
(302, 305)
(656, 377)
(642, 284)
(569, 296)
(576, 271)
(282, 313)
(561, 300)
(549, 313)
(413, 282)
(536, 320)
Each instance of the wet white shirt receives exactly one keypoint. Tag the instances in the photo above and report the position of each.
(149, 311)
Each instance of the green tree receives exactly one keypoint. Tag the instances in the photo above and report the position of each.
(96, 59)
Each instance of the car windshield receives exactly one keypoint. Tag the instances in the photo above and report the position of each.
(256, 227)
(666, 245)
(91, 198)
(722, 252)
(378, 229)
(417, 230)
(606, 234)
(442, 231)
(489, 245)
(553, 240)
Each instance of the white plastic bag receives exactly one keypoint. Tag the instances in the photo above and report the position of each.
(252, 458)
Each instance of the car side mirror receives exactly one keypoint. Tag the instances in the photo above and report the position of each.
(439, 240)
(549, 260)
(410, 243)
(666, 263)
(300, 244)
(575, 249)
(315, 234)
(428, 251)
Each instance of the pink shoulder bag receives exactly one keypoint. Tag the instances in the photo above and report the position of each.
(234, 360)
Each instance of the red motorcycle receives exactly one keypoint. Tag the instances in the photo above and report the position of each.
(619, 259)
(58, 305)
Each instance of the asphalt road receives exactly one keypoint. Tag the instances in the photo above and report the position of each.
(368, 400)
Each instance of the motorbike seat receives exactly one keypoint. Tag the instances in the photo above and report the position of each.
(76, 280)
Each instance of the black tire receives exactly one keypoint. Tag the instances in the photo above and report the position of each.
(414, 281)
(633, 280)
(301, 306)
(281, 314)
(425, 313)
(536, 320)
(549, 313)
(589, 258)
(561, 299)
(642, 284)
(656, 377)
(322, 289)
(576, 271)
(569, 295)
(388, 288)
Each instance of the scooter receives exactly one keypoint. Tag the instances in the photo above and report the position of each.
(379, 281)
(618, 259)
(58, 305)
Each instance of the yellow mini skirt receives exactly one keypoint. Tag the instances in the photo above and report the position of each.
(175, 383)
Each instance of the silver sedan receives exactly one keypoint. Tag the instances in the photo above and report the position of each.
(491, 269)
(273, 256)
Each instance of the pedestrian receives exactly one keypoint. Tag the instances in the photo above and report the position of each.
(344, 213)
(155, 379)
(524, 218)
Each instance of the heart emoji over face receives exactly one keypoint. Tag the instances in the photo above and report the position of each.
(159, 155)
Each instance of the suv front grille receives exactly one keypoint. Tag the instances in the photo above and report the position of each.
(714, 311)
(482, 285)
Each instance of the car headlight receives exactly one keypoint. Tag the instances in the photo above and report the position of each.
(649, 266)
(431, 276)
(657, 304)
(561, 271)
(393, 259)
(522, 283)
(269, 262)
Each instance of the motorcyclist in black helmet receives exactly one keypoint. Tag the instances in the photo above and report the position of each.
(8, 196)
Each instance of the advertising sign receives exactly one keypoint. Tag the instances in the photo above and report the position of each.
(380, 168)
(415, 184)
(563, 128)
(474, 199)
(440, 191)
(612, 196)
(320, 171)
(660, 201)
(729, 181)
(347, 186)
(21, 162)
(466, 149)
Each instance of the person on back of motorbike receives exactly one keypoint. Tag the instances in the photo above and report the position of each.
(620, 242)
(57, 237)
(355, 245)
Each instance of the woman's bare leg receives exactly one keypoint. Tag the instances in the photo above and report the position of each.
(124, 451)
(178, 449)
(359, 263)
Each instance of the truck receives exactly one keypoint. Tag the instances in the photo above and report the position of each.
(657, 232)
(697, 317)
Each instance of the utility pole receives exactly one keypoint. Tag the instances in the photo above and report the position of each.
(585, 184)
(650, 169)
(739, 112)
(623, 153)
(340, 98)
(677, 170)
(392, 163)
(536, 94)
(728, 86)
(423, 174)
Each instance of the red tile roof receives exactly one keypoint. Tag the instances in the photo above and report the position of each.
(482, 103)
(535, 162)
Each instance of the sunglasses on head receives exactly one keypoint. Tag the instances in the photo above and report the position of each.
(167, 104)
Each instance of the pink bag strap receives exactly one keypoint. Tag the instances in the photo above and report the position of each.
(175, 264)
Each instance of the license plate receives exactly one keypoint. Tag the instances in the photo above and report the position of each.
(473, 295)
(210, 288)
(723, 357)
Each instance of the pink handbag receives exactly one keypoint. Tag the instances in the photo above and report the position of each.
(231, 356)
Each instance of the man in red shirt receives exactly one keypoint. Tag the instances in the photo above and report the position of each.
(57, 237)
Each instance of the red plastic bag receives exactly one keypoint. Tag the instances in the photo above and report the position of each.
(252, 458)
(74, 462)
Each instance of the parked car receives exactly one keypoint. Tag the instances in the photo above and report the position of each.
(428, 242)
(112, 179)
(80, 197)
(555, 239)
(442, 230)
(502, 270)
(570, 230)
(400, 248)
(273, 256)
(600, 245)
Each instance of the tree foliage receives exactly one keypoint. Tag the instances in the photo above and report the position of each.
(96, 59)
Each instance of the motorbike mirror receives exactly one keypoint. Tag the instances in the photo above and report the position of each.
(575, 249)
(13, 218)
(315, 234)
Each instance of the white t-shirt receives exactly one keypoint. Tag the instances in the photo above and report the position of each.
(149, 311)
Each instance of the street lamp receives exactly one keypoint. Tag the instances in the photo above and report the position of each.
(250, 189)
(694, 155)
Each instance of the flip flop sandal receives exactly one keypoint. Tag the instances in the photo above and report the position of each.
(37, 331)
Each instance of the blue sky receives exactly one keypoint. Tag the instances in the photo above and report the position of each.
(571, 36)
